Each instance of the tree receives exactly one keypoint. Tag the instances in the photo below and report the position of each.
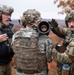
(66, 5)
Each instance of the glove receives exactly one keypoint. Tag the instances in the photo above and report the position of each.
(60, 48)
(53, 23)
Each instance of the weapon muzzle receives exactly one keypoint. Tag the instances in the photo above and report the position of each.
(43, 27)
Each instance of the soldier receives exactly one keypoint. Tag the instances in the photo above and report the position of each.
(32, 51)
(6, 52)
(66, 58)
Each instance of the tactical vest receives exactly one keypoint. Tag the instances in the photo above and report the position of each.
(27, 56)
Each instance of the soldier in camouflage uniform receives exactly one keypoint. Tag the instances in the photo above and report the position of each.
(6, 52)
(67, 57)
(32, 51)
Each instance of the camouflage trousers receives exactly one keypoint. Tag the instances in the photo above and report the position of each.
(41, 73)
(5, 69)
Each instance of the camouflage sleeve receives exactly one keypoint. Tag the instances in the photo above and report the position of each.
(60, 31)
(45, 46)
(62, 58)
(49, 47)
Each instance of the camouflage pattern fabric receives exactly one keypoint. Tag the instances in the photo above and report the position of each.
(42, 73)
(68, 55)
(45, 46)
(7, 9)
(62, 58)
(30, 17)
(24, 51)
(70, 15)
(65, 57)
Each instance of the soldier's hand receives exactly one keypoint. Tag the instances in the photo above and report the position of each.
(54, 23)
(3, 37)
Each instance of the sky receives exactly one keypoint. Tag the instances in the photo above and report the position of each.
(47, 8)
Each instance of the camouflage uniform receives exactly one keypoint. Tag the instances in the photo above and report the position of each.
(31, 50)
(65, 57)
(68, 56)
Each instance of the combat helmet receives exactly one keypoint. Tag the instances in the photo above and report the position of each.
(7, 9)
(70, 15)
(30, 17)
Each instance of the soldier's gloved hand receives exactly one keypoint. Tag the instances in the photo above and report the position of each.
(54, 23)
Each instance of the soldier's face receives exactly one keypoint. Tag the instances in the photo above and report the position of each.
(71, 24)
(6, 18)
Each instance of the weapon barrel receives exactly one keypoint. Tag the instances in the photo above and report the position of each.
(43, 27)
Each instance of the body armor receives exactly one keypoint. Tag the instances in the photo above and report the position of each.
(29, 59)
